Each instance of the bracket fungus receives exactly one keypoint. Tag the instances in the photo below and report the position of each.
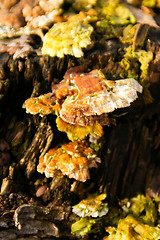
(91, 206)
(85, 99)
(43, 105)
(73, 159)
(28, 17)
(77, 132)
(82, 102)
(67, 38)
(89, 97)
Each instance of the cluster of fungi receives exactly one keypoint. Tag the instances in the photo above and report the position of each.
(82, 100)
(67, 51)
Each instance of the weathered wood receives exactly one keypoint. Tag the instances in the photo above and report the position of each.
(130, 154)
(35, 222)
(39, 146)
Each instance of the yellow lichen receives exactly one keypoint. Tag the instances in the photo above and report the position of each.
(132, 229)
(80, 5)
(144, 208)
(140, 56)
(117, 13)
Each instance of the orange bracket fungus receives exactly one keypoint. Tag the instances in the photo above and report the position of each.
(82, 102)
(43, 105)
(73, 159)
(85, 98)
(89, 97)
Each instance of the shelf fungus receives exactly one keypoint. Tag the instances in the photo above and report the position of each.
(43, 105)
(89, 97)
(91, 207)
(77, 132)
(67, 38)
(27, 17)
(85, 99)
(73, 159)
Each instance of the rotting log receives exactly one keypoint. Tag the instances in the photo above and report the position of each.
(130, 154)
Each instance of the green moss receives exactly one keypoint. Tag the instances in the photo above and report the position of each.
(108, 30)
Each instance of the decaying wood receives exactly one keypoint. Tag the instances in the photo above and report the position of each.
(39, 146)
(130, 154)
(132, 148)
(35, 222)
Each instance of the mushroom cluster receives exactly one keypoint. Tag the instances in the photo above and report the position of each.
(82, 102)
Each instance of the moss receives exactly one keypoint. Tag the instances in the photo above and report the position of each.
(108, 30)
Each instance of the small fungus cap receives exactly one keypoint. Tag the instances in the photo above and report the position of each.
(73, 159)
(91, 206)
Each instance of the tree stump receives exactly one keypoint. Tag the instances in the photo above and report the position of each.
(34, 207)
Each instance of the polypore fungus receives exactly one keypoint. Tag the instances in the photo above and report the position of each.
(44, 104)
(28, 17)
(67, 38)
(85, 99)
(91, 206)
(77, 132)
(73, 159)
(89, 97)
